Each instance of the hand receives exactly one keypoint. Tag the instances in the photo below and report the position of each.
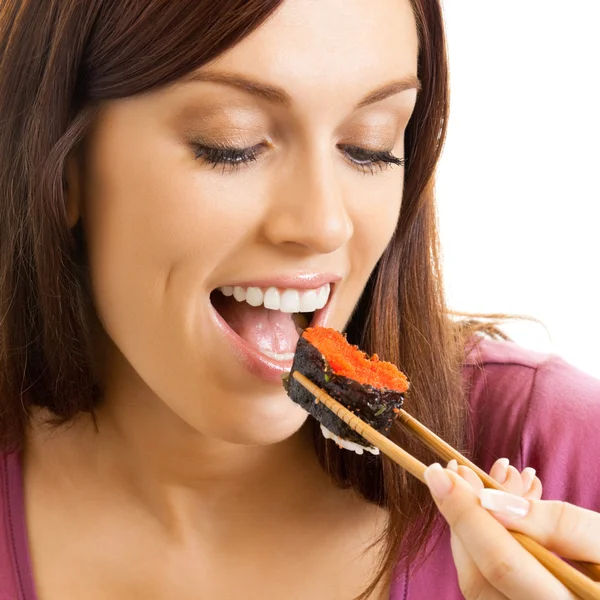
(524, 484)
(491, 564)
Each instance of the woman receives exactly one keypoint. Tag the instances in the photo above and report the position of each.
(177, 179)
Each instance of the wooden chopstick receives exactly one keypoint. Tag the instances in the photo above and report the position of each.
(443, 449)
(573, 579)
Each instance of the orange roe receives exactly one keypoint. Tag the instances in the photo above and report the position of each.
(348, 361)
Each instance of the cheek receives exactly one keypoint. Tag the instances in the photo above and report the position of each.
(150, 215)
(375, 215)
(158, 226)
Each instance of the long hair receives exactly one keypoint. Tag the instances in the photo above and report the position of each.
(59, 59)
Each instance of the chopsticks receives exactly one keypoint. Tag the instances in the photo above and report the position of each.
(573, 579)
(447, 452)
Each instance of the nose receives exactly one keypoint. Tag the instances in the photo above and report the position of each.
(308, 210)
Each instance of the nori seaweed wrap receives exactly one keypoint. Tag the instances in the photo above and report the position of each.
(372, 389)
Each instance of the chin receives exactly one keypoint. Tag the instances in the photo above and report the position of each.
(258, 428)
(245, 416)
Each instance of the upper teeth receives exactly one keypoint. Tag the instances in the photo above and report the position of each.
(286, 300)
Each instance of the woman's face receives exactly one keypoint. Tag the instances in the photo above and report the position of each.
(271, 171)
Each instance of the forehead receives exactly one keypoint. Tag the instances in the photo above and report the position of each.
(337, 46)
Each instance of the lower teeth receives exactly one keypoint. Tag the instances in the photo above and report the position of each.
(281, 357)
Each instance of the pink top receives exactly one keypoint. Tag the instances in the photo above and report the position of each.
(532, 408)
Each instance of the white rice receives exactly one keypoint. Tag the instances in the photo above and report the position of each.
(346, 444)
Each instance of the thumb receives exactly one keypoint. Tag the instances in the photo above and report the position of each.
(563, 528)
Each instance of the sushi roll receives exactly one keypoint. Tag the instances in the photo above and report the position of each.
(372, 389)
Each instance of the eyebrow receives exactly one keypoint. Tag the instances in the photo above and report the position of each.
(277, 95)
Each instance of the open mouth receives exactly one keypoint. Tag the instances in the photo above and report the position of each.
(270, 320)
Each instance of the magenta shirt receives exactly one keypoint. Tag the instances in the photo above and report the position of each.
(532, 408)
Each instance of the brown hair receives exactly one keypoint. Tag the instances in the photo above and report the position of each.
(58, 60)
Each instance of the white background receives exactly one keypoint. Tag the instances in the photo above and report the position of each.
(518, 189)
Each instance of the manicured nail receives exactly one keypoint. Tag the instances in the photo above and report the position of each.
(504, 504)
(528, 476)
(501, 471)
(453, 465)
(439, 481)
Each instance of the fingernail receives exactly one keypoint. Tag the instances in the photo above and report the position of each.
(504, 504)
(453, 465)
(502, 471)
(528, 477)
(438, 481)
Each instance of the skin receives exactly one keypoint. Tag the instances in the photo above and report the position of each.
(200, 470)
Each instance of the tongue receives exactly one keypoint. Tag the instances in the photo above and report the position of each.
(267, 330)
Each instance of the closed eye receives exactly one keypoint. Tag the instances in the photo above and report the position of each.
(369, 160)
(230, 158)
(227, 156)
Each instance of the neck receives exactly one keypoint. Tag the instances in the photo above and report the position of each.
(146, 454)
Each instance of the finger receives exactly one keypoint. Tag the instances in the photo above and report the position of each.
(499, 470)
(509, 477)
(499, 557)
(527, 477)
(471, 478)
(467, 474)
(535, 492)
(514, 482)
(568, 530)
(472, 583)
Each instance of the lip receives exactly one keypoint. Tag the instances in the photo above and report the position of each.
(302, 281)
(258, 364)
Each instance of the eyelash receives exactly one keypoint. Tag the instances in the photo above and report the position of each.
(231, 158)
(366, 161)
